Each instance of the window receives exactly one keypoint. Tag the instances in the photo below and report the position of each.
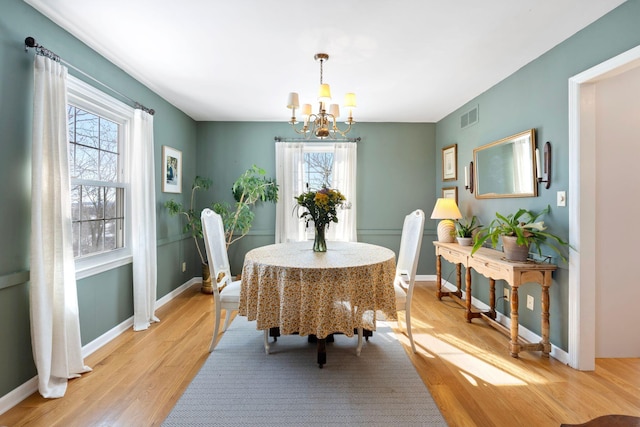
(99, 128)
(318, 167)
(303, 167)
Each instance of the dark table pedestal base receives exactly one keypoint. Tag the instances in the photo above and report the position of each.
(321, 342)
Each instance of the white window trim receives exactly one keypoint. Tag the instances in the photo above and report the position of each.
(87, 97)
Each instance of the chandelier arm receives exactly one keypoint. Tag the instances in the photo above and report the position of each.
(306, 129)
(342, 132)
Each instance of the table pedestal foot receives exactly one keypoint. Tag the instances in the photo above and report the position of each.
(322, 351)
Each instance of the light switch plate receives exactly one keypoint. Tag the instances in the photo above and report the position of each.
(562, 198)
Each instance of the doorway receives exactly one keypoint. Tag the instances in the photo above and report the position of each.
(584, 285)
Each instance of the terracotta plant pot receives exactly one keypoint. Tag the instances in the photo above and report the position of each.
(513, 251)
(207, 286)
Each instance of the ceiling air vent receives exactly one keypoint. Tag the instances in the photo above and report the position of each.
(469, 118)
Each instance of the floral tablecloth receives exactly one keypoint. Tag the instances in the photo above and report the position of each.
(318, 293)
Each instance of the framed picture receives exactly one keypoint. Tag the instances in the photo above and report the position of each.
(450, 193)
(171, 170)
(450, 163)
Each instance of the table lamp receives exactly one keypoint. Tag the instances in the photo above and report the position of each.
(447, 211)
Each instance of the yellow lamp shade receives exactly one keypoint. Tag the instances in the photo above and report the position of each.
(350, 100)
(446, 209)
(324, 93)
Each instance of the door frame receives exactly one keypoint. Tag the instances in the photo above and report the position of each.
(582, 205)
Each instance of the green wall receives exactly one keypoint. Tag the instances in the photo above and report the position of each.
(537, 97)
(105, 300)
(395, 175)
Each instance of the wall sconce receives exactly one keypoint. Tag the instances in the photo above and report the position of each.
(468, 177)
(544, 175)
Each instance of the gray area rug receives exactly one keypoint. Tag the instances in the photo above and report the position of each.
(240, 385)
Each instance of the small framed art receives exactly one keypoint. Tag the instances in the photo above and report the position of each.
(450, 193)
(450, 163)
(171, 170)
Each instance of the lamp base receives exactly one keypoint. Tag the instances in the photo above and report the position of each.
(446, 231)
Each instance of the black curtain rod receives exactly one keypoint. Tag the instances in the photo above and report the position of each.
(30, 42)
(283, 139)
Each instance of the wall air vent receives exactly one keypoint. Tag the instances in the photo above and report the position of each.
(469, 118)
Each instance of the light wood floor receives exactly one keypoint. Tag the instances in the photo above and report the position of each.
(138, 377)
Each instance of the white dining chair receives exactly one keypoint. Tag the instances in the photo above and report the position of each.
(226, 291)
(406, 267)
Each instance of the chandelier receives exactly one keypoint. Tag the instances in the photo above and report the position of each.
(321, 124)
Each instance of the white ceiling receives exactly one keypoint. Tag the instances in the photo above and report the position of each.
(406, 60)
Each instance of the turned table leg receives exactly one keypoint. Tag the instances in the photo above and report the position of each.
(467, 280)
(513, 344)
(438, 277)
(492, 298)
(546, 346)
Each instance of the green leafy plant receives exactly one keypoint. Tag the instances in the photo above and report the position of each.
(524, 225)
(465, 228)
(193, 226)
(250, 188)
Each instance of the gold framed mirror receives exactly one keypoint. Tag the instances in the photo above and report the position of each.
(506, 168)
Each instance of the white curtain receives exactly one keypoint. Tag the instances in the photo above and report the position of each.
(344, 179)
(290, 179)
(143, 221)
(55, 325)
(291, 182)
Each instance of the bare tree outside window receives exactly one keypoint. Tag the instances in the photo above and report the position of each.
(96, 195)
(318, 170)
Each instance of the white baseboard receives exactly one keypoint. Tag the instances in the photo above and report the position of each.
(17, 395)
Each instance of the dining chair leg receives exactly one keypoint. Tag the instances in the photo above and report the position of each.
(227, 318)
(216, 328)
(266, 341)
(407, 322)
(359, 347)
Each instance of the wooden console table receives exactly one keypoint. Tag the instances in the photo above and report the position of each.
(491, 264)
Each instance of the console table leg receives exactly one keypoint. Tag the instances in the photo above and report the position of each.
(513, 345)
(546, 346)
(438, 278)
(492, 298)
(467, 279)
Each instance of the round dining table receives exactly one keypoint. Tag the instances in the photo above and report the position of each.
(290, 287)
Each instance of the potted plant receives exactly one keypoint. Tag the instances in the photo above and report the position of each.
(519, 232)
(465, 229)
(251, 187)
